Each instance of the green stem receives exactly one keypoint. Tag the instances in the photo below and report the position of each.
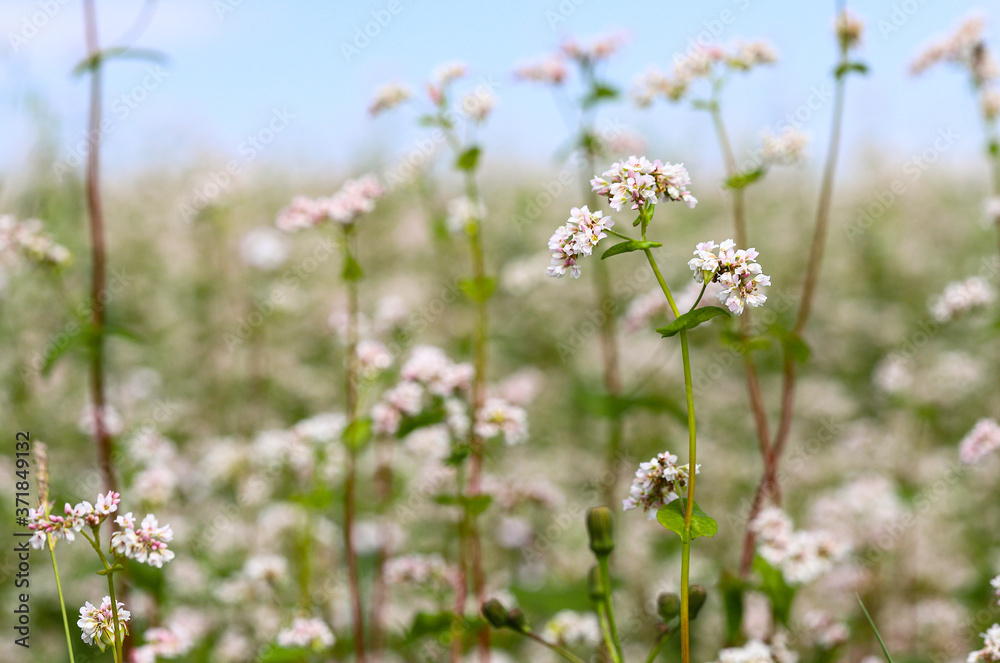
(661, 642)
(692, 465)
(62, 602)
(109, 573)
(602, 619)
(554, 647)
(605, 567)
(700, 295)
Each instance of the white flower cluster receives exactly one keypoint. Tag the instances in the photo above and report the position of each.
(570, 629)
(464, 210)
(980, 442)
(389, 96)
(701, 62)
(310, 633)
(801, 556)
(28, 238)
(786, 148)
(657, 483)
(594, 50)
(478, 104)
(75, 519)
(373, 358)
(962, 296)
(264, 248)
(825, 631)
(177, 638)
(757, 651)
(965, 47)
(550, 70)
(736, 270)
(355, 198)
(112, 421)
(637, 182)
(849, 29)
(498, 418)
(990, 653)
(427, 375)
(576, 238)
(442, 76)
(97, 623)
(146, 544)
(423, 571)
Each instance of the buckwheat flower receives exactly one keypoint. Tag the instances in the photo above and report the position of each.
(146, 544)
(995, 584)
(373, 358)
(321, 428)
(653, 84)
(498, 418)
(577, 238)
(424, 571)
(302, 213)
(98, 626)
(522, 387)
(753, 651)
(825, 631)
(990, 104)
(95, 514)
(744, 56)
(449, 71)
(385, 419)
(990, 653)
(637, 181)
(29, 239)
(267, 568)
(311, 634)
(736, 270)
(786, 148)
(264, 248)
(622, 141)
(550, 70)
(462, 211)
(656, 483)
(571, 629)
(407, 397)
(355, 198)
(965, 47)
(113, 424)
(389, 96)
(962, 296)
(801, 556)
(980, 442)
(478, 104)
(60, 527)
(849, 29)
(600, 48)
(698, 62)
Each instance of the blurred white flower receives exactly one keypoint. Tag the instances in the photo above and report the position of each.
(550, 70)
(389, 96)
(962, 296)
(113, 424)
(311, 634)
(980, 442)
(786, 148)
(462, 211)
(264, 248)
(498, 418)
(572, 629)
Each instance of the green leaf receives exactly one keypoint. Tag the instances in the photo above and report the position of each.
(78, 341)
(478, 289)
(628, 247)
(885, 650)
(732, 600)
(276, 654)
(469, 159)
(473, 504)
(428, 623)
(600, 92)
(994, 148)
(777, 589)
(117, 52)
(352, 270)
(741, 180)
(358, 434)
(847, 67)
(793, 344)
(672, 517)
(691, 320)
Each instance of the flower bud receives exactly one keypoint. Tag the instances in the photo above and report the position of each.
(495, 613)
(517, 621)
(595, 583)
(668, 605)
(696, 598)
(600, 527)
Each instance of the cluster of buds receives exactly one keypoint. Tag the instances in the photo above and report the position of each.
(354, 199)
(75, 518)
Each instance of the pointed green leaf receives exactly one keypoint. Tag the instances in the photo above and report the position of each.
(741, 180)
(672, 518)
(600, 92)
(691, 320)
(117, 52)
(358, 434)
(847, 67)
(773, 583)
(352, 270)
(793, 344)
(628, 247)
(469, 159)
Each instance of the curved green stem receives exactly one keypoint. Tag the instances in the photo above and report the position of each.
(609, 610)
(661, 642)
(62, 601)
(554, 647)
(109, 572)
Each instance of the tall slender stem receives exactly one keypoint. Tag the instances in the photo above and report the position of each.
(98, 252)
(350, 478)
(692, 465)
(768, 485)
(95, 542)
(609, 610)
(661, 642)
(569, 656)
(383, 493)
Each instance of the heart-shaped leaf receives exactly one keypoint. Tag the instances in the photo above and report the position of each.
(468, 159)
(691, 319)
(672, 517)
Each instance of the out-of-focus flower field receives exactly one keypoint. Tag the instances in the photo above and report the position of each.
(354, 396)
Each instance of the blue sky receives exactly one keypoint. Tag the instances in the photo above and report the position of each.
(234, 64)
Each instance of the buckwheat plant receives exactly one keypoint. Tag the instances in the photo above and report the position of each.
(342, 211)
(662, 488)
(589, 145)
(457, 125)
(145, 542)
(715, 64)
